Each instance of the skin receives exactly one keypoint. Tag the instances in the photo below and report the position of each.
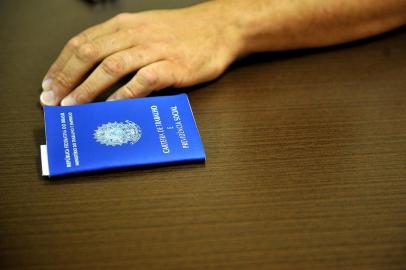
(183, 47)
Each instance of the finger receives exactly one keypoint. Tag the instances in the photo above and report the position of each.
(89, 34)
(153, 77)
(84, 58)
(109, 72)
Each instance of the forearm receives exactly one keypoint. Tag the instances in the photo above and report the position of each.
(272, 25)
(183, 47)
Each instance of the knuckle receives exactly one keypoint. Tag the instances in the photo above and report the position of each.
(139, 57)
(131, 90)
(82, 94)
(179, 76)
(76, 41)
(130, 31)
(122, 17)
(143, 27)
(53, 69)
(64, 81)
(114, 66)
(84, 91)
(176, 82)
(77, 97)
(144, 50)
(88, 52)
(147, 77)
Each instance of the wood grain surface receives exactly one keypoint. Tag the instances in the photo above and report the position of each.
(306, 162)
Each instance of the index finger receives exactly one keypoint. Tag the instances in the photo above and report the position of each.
(91, 33)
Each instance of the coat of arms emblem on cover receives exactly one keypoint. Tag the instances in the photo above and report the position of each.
(118, 133)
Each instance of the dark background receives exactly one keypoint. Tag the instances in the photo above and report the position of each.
(306, 162)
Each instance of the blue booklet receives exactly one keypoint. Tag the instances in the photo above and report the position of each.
(117, 134)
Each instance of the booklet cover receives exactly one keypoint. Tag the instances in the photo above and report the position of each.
(117, 134)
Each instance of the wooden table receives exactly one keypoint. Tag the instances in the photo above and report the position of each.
(306, 162)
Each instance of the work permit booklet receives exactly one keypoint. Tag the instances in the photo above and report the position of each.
(117, 134)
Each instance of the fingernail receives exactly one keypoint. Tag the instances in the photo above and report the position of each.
(46, 84)
(68, 101)
(48, 98)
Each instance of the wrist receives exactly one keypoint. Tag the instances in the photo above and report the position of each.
(244, 25)
(223, 19)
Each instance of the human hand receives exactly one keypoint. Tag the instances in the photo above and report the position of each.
(166, 48)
